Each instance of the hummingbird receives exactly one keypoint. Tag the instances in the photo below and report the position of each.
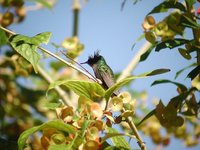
(102, 71)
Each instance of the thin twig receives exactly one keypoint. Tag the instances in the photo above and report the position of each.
(135, 131)
(67, 63)
(8, 31)
(47, 77)
(126, 72)
(55, 56)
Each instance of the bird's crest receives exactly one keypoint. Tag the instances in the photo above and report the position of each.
(92, 59)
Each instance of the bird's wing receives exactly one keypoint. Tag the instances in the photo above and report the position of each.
(107, 76)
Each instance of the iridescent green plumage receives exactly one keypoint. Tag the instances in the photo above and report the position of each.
(101, 70)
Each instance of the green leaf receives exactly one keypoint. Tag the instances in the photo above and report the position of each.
(177, 100)
(51, 105)
(194, 72)
(3, 39)
(184, 53)
(41, 38)
(27, 46)
(181, 86)
(171, 44)
(77, 141)
(144, 56)
(180, 71)
(35, 40)
(164, 6)
(187, 22)
(58, 124)
(151, 113)
(28, 52)
(156, 72)
(127, 80)
(89, 90)
(191, 2)
(118, 141)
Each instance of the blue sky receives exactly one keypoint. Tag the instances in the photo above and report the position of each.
(104, 26)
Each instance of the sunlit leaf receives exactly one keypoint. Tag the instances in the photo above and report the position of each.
(181, 86)
(28, 52)
(3, 39)
(157, 71)
(127, 80)
(89, 90)
(190, 3)
(118, 141)
(171, 44)
(58, 124)
(52, 106)
(77, 141)
(164, 6)
(187, 22)
(41, 38)
(27, 46)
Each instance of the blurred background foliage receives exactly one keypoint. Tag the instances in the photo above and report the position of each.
(24, 105)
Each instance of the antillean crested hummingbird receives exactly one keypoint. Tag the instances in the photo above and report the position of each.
(101, 70)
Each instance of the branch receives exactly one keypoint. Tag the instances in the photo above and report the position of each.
(135, 131)
(76, 7)
(67, 63)
(57, 57)
(127, 71)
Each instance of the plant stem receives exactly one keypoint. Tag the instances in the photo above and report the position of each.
(8, 31)
(55, 56)
(67, 63)
(135, 131)
(76, 7)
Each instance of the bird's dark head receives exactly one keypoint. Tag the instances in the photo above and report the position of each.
(93, 59)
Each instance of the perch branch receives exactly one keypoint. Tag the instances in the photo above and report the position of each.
(55, 56)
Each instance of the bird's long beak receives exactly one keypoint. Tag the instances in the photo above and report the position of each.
(84, 62)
